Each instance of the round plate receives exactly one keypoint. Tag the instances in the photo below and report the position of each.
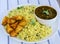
(54, 26)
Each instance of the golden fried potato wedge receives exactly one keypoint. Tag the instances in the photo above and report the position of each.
(8, 28)
(23, 23)
(10, 21)
(13, 34)
(18, 29)
(4, 22)
(17, 17)
(14, 25)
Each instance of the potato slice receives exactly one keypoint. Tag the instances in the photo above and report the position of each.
(17, 17)
(13, 34)
(19, 28)
(23, 23)
(14, 25)
(10, 21)
(4, 22)
(8, 28)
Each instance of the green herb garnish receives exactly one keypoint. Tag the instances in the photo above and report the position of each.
(32, 22)
(20, 7)
(46, 12)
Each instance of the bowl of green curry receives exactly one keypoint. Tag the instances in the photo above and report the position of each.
(46, 15)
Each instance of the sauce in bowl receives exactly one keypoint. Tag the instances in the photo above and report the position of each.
(45, 12)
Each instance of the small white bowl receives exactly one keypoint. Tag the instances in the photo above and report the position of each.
(47, 22)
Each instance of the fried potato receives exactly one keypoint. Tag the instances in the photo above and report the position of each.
(19, 28)
(22, 23)
(14, 25)
(13, 34)
(10, 20)
(8, 28)
(4, 22)
(17, 17)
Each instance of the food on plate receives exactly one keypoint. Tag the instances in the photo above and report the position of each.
(45, 12)
(4, 22)
(10, 21)
(25, 26)
(22, 23)
(13, 34)
(8, 28)
(14, 24)
(18, 29)
(17, 17)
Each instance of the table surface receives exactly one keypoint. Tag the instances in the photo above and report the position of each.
(9, 4)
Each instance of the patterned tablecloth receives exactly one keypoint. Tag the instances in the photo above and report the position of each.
(8, 4)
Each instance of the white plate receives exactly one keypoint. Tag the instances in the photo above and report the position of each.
(54, 26)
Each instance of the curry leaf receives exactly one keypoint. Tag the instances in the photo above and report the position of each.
(46, 12)
(32, 22)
